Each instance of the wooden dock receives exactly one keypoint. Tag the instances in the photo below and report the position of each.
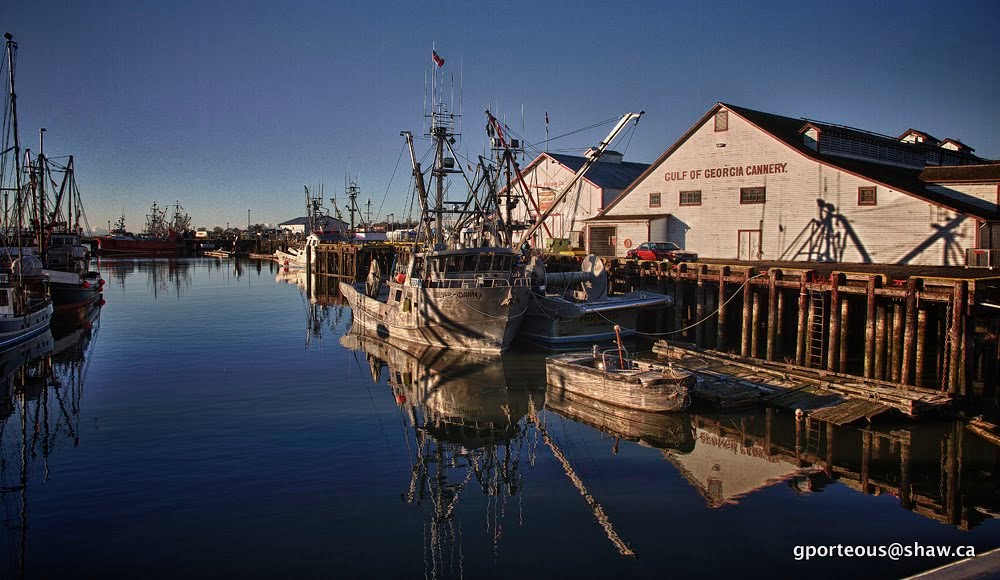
(730, 380)
(931, 328)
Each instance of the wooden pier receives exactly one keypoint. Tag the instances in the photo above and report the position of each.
(909, 328)
(350, 262)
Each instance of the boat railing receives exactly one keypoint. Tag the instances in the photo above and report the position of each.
(477, 282)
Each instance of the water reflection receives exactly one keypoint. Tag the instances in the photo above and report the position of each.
(466, 426)
(939, 470)
(321, 299)
(41, 385)
(163, 275)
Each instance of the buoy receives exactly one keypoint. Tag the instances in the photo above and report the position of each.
(86, 284)
(400, 278)
(100, 282)
(102, 302)
(627, 243)
(400, 399)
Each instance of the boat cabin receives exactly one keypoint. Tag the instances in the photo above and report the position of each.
(465, 268)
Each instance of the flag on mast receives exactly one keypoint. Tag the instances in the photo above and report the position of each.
(436, 58)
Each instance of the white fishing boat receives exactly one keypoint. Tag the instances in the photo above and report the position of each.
(567, 308)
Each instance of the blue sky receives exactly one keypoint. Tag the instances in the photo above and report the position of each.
(234, 106)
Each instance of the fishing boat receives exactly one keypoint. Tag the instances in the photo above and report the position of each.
(160, 236)
(566, 308)
(461, 285)
(25, 302)
(613, 376)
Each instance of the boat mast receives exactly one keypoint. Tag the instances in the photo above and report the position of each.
(11, 46)
(592, 155)
(40, 224)
(418, 179)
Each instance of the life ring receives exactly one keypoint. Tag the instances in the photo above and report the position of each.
(627, 243)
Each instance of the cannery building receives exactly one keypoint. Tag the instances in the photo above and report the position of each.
(748, 185)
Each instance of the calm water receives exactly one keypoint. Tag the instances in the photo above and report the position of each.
(213, 421)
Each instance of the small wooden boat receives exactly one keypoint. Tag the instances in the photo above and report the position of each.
(612, 376)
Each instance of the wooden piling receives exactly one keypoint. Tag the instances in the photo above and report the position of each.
(833, 339)
(918, 372)
(844, 328)
(779, 340)
(699, 331)
(870, 325)
(720, 338)
(678, 307)
(755, 327)
(955, 336)
(801, 328)
(897, 341)
(910, 332)
(772, 312)
(881, 323)
(747, 315)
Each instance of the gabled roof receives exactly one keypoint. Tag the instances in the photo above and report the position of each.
(927, 136)
(602, 174)
(787, 131)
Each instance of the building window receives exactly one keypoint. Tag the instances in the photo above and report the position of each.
(654, 200)
(722, 120)
(752, 194)
(690, 198)
(867, 196)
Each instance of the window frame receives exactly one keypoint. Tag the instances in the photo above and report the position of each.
(680, 198)
(659, 199)
(745, 190)
(874, 199)
(724, 115)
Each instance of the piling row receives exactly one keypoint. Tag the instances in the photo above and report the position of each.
(918, 332)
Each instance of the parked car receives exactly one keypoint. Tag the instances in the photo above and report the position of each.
(659, 251)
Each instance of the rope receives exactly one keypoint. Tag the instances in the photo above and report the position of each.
(690, 326)
(398, 159)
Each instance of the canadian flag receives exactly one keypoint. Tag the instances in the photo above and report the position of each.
(437, 59)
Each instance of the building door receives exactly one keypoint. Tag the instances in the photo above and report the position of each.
(749, 245)
(602, 240)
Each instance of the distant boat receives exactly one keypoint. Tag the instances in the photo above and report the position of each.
(159, 237)
(612, 376)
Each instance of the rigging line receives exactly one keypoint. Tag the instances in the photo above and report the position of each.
(391, 177)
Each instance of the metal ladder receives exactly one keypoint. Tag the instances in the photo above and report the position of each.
(817, 334)
(814, 434)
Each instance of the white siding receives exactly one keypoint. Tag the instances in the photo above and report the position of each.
(982, 195)
(811, 212)
(582, 202)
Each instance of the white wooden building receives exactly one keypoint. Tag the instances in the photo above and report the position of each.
(748, 185)
(546, 175)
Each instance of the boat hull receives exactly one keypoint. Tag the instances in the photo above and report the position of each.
(572, 373)
(481, 319)
(553, 320)
(15, 330)
(114, 245)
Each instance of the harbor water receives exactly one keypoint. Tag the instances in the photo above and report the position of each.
(221, 419)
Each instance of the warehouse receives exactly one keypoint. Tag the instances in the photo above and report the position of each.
(550, 172)
(747, 185)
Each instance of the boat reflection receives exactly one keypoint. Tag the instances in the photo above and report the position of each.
(162, 274)
(41, 385)
(466, 423)
(323, 303)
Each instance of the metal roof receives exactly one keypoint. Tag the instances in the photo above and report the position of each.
(607, 175)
